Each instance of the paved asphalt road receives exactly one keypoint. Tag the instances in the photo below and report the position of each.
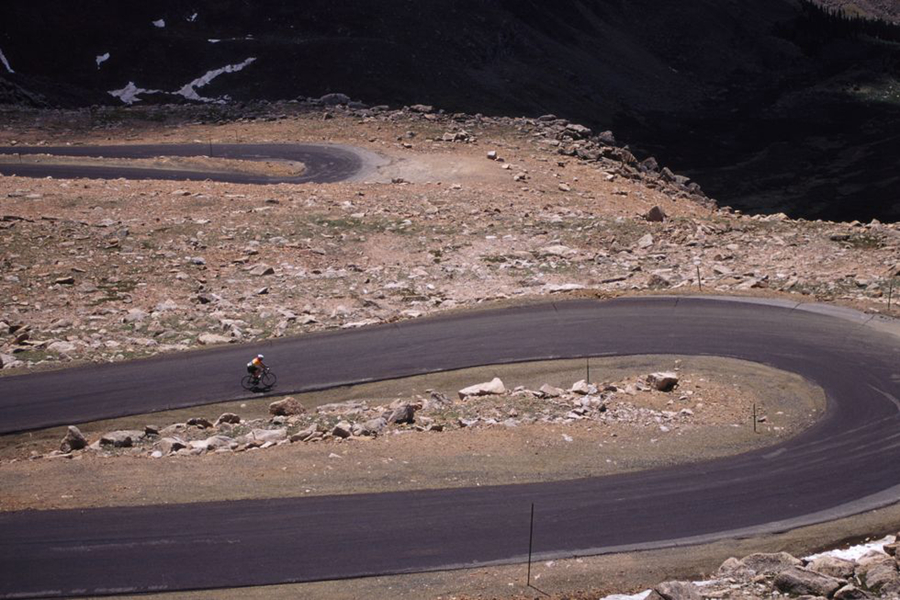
(848, 462)
(324, 163)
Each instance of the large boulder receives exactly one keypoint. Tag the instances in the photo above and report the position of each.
(798, 581)
(878, 571)
(675, 590)
(122, 438)
(664, 381)
(286, 407)
(833, 567)
(74, 440)
(493, 387)
(763, 563)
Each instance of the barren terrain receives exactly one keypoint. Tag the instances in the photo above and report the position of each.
(110, 270)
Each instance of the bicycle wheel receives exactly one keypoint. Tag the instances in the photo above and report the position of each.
(247, 383)
(268, 380)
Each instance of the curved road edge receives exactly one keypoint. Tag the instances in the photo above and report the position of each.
(325, 163)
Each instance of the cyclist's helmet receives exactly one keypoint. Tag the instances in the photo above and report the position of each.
(260, 356)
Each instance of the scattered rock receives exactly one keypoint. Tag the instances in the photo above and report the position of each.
(287, 407)
(61, 347)
(135, 315)
(404, 413)
(342, 430)
(74, 440)
(213, 443)
(209, 339)
(548, 391)
(583, 388)
(334, 99)
(305, 434)
(168, 445)
(261, 270)
(122, 438)
(229, 418)
(656, 215)
(200, 422)
(493, 387)
(268, 435)
(663, 381)
(371, 427)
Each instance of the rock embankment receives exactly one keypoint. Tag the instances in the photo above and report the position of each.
(659, 403)
(873, 575)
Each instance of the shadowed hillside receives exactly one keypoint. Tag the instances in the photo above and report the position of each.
(766, 109)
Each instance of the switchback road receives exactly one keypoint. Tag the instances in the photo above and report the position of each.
(848, 462)
(324, 163)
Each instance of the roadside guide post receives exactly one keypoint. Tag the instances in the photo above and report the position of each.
(530, 543)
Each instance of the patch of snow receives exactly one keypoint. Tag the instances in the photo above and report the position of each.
(129, 93)
(192, 18)
(102, 58)
(855, 552)
(5, 62)
(189, 91)
(639, 596)
(161, 23)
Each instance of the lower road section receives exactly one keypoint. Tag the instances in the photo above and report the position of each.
(846, 463)
(324, 163)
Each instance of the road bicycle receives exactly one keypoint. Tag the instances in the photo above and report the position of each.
(266, 381)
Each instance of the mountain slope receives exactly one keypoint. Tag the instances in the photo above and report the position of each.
(713, 87)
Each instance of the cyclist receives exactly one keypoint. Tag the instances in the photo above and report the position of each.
(256, 367)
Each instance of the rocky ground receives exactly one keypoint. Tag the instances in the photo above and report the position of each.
(464, 210)
(417, 433)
